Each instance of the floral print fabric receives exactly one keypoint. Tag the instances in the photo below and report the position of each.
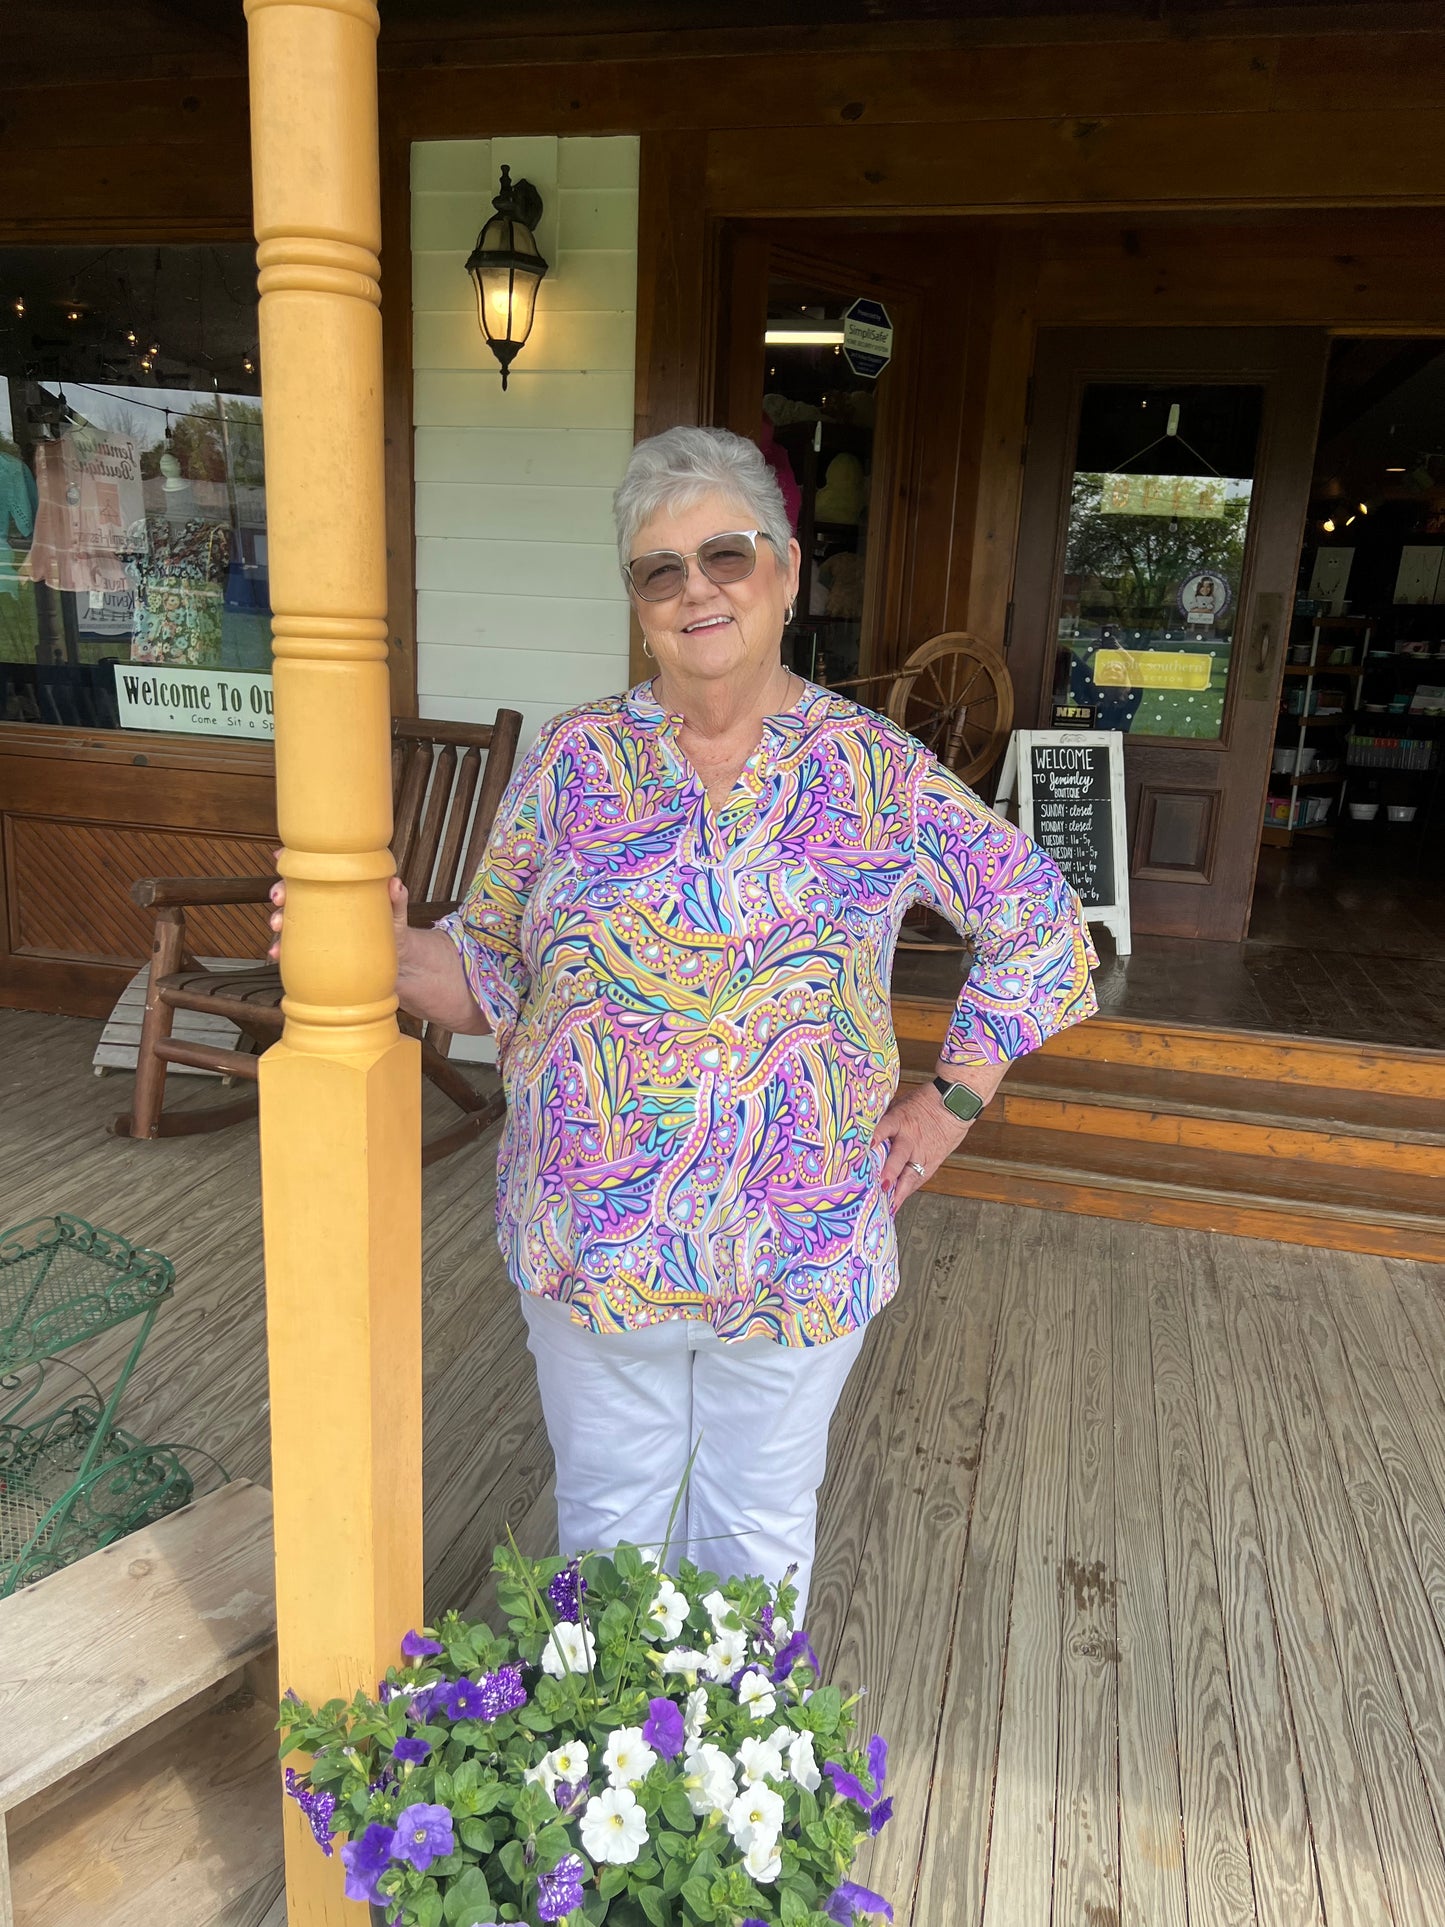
(691, 1006)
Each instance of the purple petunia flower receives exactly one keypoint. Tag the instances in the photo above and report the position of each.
(571, 1796)
(365, 1861)
(416, 1646)
(318, 1808)
(880, 1816)
(423, 1834)
(468, 1701)
(564, 1595)
(849, 1902)
(560, 1892)
(753, 1921)
(878, 1761)
(799, 1647)
(411, 1752)
(432, 1701)
(847, 1786)
(663, 1729)
(502, 1692)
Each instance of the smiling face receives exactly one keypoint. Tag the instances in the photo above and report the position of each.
(716, 632)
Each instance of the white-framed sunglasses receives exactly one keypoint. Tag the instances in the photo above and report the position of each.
(661, 574)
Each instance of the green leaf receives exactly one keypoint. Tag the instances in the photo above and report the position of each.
(675, 1809)
(478, 1835)
(469, 1899)
(553, 1844)
(611, 1881)
(514, 1863)
(698, 1896)
(426, 1908)
(536, 1718)
(654, 1906)
(795, 1908)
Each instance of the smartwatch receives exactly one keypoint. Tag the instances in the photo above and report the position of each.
(959, 1100)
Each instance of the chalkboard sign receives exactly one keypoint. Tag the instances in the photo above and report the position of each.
(1071, 802)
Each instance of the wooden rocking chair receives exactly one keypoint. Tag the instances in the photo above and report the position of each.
(439, 772)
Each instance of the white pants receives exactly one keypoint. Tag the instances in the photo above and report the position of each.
(624, 1411)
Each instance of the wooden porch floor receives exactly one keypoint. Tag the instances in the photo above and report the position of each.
(1135, 1536)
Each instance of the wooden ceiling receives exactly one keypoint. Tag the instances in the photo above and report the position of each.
(43, 43)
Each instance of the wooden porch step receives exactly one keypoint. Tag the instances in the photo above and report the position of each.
(1389, 1213)
(1322, 1063)
(1348, 1128)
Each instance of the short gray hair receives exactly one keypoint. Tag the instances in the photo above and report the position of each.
(681, 466)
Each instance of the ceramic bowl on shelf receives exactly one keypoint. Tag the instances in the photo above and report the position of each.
(1363, 812)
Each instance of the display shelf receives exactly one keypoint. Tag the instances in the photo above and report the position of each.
(1295, 730)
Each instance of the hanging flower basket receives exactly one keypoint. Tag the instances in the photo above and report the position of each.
(637, 1750)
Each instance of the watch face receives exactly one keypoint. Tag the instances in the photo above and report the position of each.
(964, 1103)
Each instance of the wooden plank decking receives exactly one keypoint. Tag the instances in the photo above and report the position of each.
(1136, 1537)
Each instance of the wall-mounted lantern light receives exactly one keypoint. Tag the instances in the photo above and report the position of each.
(507, 267)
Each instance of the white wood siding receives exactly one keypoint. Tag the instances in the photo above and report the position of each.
(519, 601)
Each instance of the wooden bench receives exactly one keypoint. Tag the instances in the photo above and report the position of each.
(124, 1642)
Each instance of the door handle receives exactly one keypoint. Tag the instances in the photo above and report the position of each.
(1262, 650)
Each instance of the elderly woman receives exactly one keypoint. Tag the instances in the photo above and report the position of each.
(681, 935)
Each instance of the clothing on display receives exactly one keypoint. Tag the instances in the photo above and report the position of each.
(178, 579)
(90, 503)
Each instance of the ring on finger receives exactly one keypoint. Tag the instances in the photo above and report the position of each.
(921, 1169)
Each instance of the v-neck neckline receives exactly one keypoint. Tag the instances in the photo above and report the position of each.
(742, 798)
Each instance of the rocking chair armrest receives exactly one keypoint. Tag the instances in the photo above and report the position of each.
(421, 916)
(164, 893)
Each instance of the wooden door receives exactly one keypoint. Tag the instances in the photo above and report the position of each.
(1165, 489)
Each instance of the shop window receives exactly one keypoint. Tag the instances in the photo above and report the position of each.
(1154, 558)
(133, 571)
(819, 433)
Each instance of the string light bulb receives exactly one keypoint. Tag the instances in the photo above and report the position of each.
(132, 337)
(1328, 525)
(1364, 508)
(18, 304)
(248, 364)
(154, 350)
(72, 314)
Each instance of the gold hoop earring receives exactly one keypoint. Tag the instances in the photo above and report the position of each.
(646, 651)
(792, 611)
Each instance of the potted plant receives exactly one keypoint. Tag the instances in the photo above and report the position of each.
(637, 1749)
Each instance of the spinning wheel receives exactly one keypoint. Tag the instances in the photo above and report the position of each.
(954, 694)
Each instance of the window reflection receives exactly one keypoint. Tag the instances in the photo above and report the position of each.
(132, 491)
(1154, 557)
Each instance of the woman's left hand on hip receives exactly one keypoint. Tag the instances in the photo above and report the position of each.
(920, 1135)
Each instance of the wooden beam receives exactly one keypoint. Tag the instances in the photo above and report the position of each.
(340, 1094)
(1296, 159)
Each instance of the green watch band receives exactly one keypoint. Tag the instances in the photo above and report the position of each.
(959, 1100)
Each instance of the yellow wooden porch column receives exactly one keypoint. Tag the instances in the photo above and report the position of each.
(340, 1094)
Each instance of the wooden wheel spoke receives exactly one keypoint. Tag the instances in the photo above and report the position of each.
(953, 693)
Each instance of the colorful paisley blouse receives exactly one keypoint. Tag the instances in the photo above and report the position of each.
(692, 1013)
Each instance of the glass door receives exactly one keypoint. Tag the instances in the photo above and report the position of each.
(1164, 496)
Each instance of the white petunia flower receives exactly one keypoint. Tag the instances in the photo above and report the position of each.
(664, 1617)
(695, 1718)
(569, 1763)
(721, 1611)
(763, 1861)
(708, 1781)
(756, 1814)
(782, 1629)
(682, 1659)
(761, 1760)
(628, 1757)
(802, 1764)
(614, 1827)
(569, 1649)
(755, 1692)
(727, 1653)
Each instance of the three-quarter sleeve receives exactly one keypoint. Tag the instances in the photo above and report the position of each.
(1031, 951)
(487, 928)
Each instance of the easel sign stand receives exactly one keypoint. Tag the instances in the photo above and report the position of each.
(1070, 790)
